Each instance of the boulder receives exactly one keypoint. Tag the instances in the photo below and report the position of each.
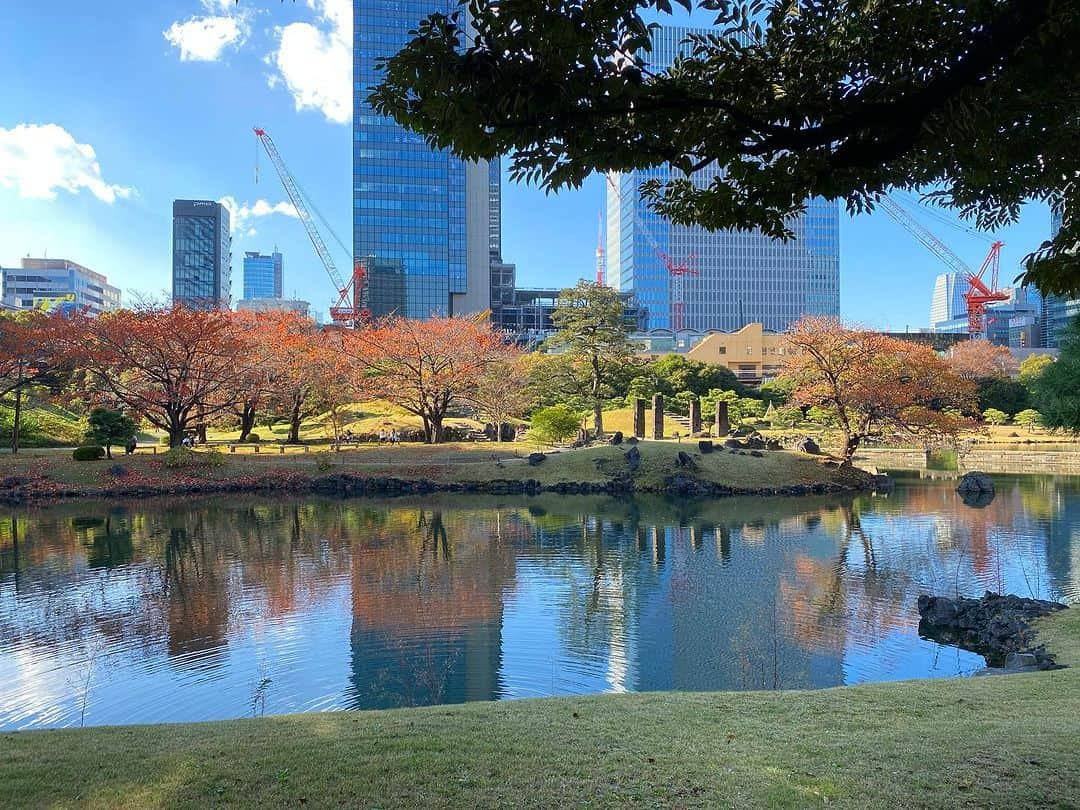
(633, 458)
(756, 453)
(773, 444)
(536, 459)
(632, 440)
(975, 481)
(705, 446)
(734, 444)
(616, 438)
(685, 460)
(805, 444)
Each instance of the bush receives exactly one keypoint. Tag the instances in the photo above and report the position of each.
(994, 416)
(555, 423)
(181, 458)
(253, 438)
(88, 453)
(1028, 418)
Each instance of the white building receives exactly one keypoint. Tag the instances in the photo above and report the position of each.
(49, 283)
(947, 303)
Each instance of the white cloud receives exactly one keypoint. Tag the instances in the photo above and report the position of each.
(242, 214)
(315, 61)
(38, 160)
(205, 39)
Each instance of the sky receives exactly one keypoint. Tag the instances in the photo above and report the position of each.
(110, 110)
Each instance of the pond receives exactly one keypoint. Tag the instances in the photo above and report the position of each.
(199, 609)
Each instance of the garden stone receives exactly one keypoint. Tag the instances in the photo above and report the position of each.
(616, 438)
(536, 459)
(685, 460)
(633, 458)
(705, 446)
(806, 444)
(975, 481)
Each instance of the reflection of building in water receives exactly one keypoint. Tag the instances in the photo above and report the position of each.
(427, 618)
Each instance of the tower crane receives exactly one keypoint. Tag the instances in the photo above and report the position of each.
(351, 307)
(677, 270)
(979, 292)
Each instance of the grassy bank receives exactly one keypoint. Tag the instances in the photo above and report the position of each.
(981, 742)
(441, 464)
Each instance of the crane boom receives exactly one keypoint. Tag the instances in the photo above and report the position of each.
(924, 237)
(350, 307)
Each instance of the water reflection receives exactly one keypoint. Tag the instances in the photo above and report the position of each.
(200, 609)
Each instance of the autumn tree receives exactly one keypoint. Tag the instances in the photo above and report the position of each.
(979, 359)
(872, 384)
(593, 334)
(502, 392)
(426, 367)
(28, 358)
(172, 366)
(1032, 366)
(780, 102)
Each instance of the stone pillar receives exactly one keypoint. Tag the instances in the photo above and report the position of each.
(723, 427)
(695, 416)
(658, 416)
(639, 418)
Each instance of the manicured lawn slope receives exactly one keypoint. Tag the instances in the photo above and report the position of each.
(983, 742)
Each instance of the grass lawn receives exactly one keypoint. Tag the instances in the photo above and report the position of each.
(977, 742)
(444, 463)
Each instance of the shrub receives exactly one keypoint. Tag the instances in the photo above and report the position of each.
(994, 416)
(323, 462)
(88, 453)
(555, 423)
(253, 438)
(1028, 418)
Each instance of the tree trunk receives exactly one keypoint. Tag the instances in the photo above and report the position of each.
(598, 418)
(247, 421)
(16, 422)
(108, 450)
(176, 431)
(851, 445)
(436, 429)
(294, 423)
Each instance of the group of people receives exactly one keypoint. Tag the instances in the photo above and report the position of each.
(392, 436)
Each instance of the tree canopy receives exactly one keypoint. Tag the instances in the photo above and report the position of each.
(971, 101)
(1057, 387)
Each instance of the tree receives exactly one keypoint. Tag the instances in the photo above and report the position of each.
(426, 367)
(290, 358)
(174, 367)
(502, 392)
(1057, 388)
(1028, 418)
(28, 358)
(108, 427)
(675, 373)
(592, 330)
(995, 417)
(1001, 393)
(783, 102)
(1032, 366)
(980, 359)
(555, 423)
(873, 383)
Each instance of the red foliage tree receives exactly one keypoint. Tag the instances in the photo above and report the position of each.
(173, 366)
(28, 357)
(875, 384)
(979, 359)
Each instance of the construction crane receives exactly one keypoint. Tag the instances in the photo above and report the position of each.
(677, 270)
(351, 307)
(979, 294)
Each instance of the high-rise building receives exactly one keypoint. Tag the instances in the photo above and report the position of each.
(421, 215)
(947, 302)
(1057, 311)
(50, 284)
(202, 254)
(262, 275)
(741, 277)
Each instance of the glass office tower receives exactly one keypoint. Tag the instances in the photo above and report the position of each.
(419, 216)
(742, 277)
(202, 254)
(262, 275)
(1057, 311)
(947, 302)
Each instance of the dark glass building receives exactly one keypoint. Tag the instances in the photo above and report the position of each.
(202, 255)
(420, 216)
(1057, 311)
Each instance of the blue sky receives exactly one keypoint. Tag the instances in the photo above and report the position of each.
(111, 109)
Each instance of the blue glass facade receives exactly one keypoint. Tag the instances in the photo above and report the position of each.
(260, 275)
(408, 200)
(742, 277)
(1057, 311)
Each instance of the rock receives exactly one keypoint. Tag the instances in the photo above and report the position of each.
(975, 481)
(773, 444)
(756, 453)
(536, 459)
(734, 444)
(1018, 660)
(994, 626)
(632, 440)
(882, 483)
(705, 446)
(616, 438)
(118, 471)
(685, 460)
(805, 444)
(633, 458)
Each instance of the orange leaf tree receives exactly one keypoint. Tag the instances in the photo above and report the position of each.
(427, 367)
(28, 357)
(174, 367)
(875, 384)
(980, 359)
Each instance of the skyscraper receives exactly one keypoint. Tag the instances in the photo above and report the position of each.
(737, 277)
(1057, 311)
(262, 275)
(420, 217)
(948, 300)
(202, 255)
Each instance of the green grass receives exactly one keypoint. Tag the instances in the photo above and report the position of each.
(444, 464)
(980, 742)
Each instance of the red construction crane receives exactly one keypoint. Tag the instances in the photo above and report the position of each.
(978, 294)
(677, 270)
(350, 308)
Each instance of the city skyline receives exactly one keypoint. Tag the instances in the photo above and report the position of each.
(111, 211)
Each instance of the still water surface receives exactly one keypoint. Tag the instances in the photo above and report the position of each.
(213, 608)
